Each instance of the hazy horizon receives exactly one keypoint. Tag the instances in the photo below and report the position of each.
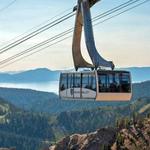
(63, 69)
(53, 86)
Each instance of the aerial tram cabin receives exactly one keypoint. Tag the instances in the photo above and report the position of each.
(98, 84)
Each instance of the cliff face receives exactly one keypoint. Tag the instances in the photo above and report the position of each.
(135, 136)
(92, 141)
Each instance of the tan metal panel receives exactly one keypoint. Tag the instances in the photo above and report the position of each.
(113, 97)
(78, 59)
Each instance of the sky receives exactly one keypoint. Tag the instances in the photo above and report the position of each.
(124, 39)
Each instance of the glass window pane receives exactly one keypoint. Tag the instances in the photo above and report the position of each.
(93, 82)
(85, 80)
(70, 80)
(125, 82)
(89, 81)
(77, 80)
(113, 82)
(102, 79)
(117, 82)
(63, 83)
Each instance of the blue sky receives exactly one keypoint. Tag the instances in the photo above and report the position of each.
(124, 39)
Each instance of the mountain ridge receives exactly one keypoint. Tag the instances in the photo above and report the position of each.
(139, 74)
(35, 75)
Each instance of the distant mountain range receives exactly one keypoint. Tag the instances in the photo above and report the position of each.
(139, 74)
(37, 75)
(44, 75)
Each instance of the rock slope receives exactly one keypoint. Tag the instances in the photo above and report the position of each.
(133, 137)
(100, 139)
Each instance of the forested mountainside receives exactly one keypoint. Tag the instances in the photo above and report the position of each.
(50, 103)
(90, 120)
(33, 131)
(141, 90)
(21, 129)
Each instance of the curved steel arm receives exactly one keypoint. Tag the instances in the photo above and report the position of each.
(79, 61)
(83, 18)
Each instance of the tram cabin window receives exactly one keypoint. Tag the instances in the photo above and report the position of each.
(93, 82)
(77, 80)
(89, 81)
(114, 82)
(63, 84)
(102, 81)
(125, 82)
(70, 81)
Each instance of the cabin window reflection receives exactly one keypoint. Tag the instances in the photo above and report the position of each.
(102, 82)
(77, 80)
(114, 82)
(63, 83)
(125, 82)
(89, 81)
(85, 81)
(70, 81)
(93, 82)
(111, 84)
(117, 82)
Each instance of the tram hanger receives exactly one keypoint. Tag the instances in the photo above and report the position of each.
(97, 84)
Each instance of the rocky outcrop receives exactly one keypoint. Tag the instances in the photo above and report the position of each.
(101, 139)
(136, 136)
(133, 137)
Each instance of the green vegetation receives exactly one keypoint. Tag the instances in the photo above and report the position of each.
(21, 129)
(30, 131)
(32, 128)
